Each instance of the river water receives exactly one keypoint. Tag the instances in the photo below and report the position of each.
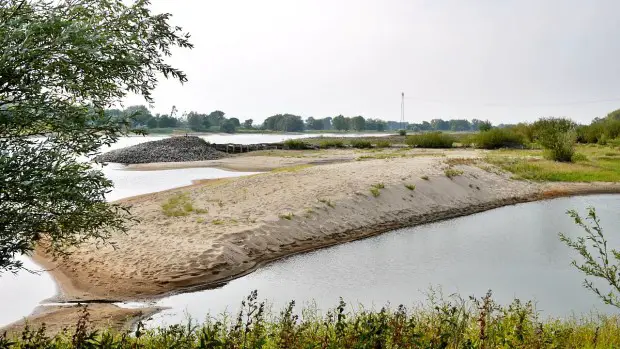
(513, 250)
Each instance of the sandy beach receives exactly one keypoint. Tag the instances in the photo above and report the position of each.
(303, 203)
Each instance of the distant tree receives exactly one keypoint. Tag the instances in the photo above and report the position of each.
(139, 113)
(314, 124)
(381, 125)
(358, 123)
(228, 126)
(460, 125)
(216, 118)
(247, 124)
(197, 122)
(440, 125)
(166, 121)
(235, 122)
(340, 123)
(485, 126)
(284, 122)
(152, 122)
(62, 64)
(327, 123)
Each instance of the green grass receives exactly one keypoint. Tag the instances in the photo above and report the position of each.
(295, 144)
(431, 140)
(179, 205)
(375, 189)
(410, 186)
(383, 144)
(360, 144)
(331, 143)
(450, 323)
(592, 164)
(451, 173)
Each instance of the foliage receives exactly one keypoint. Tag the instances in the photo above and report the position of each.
(497, 138)
(340, 123)
(443, 322)
(331, 143)
(595, 164)
(557, 136)
(451, 172)
(284, 122)
(358, 123)
(431, 140)
(295, 144)
(402, 132)
(410, 186)
(62, 64)
(374, 189)
(360, 143)
(247, 124)
(604, 264)
(229, 126)
(383, 144)
(485, 126)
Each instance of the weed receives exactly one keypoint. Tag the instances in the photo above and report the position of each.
(295, 144)
(217, 222)
(327, 202)
(410, 186)
(295, 168)
(431, 140)
(360, 144)
(424, 178)
(374, 191)
(178, 205)
(451, 172)
(287, 216)
(331, 143)
(460, 161)
(383, 144)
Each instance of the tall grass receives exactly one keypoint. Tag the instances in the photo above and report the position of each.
(431, 140)
(497, 138)
(295, 144)
(450, 322)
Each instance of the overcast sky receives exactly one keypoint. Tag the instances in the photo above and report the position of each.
(502, 60)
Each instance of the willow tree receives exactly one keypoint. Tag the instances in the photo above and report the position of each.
(62, 63)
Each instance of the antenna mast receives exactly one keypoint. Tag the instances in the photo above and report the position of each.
(402, 111)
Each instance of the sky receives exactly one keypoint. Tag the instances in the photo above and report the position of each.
(502, 60)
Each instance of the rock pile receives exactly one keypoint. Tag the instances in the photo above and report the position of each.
(173, 149)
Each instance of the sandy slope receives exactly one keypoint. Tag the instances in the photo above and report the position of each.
(246, 226)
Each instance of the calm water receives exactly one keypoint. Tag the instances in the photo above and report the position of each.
(512, 250)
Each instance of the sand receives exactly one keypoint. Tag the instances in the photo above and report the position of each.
(101, 316)
(255, 219)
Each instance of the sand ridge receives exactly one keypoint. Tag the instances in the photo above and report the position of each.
(259, 218)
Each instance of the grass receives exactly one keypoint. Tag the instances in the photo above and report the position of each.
(383, 144)
(180, 205)
(295, 144)
(410, 186)
(360, 143)
(424, 178)
(592, 163)
(288, 216)
(327, 202)
(374, 189)
(331, 143)
(217, 222)
(431, 140)
(452, 172)
(451, 323)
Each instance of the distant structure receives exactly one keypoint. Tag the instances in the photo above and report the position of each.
(402, 111)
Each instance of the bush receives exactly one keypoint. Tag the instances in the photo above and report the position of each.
(296, 144)
(431, 140)
(331, 143)
(557, 136)
(498, 138)
(360, 144)
(402, 132)
(383, 144)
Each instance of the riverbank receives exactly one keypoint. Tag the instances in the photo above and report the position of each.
(239, 224)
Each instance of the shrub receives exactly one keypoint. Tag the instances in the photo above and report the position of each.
(498, 138)
(557, 136)
(374, 189)
(383, 144)
(360, 144)
(431, 140)
(296, 144)
(331, 143)
(485, 126)
(402, 132)
(410, 186)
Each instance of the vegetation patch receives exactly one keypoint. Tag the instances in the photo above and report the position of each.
(424, 178)
(360, 144)
(295, 168)
(295, 144)
(331, 143)
(452, 172)
(383, 144)
(410, 186)
(496, 138)
(179, 205)
(460, 161)
(327, 202)
(287, 216)
(431, 140)
(375, 189)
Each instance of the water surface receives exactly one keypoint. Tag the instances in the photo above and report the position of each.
(514, 251)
